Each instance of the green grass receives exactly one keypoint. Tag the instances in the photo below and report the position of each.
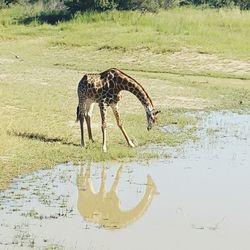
(211, 31)
(187, 59)
(38, 130)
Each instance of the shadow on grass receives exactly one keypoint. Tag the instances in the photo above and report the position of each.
(41, 137)
(51, 17)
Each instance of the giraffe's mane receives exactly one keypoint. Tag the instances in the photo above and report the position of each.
(131, 78)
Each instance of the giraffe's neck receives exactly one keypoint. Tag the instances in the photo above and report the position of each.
(136, 89)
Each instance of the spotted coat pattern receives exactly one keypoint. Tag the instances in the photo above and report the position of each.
(105, 89)
(106, 86)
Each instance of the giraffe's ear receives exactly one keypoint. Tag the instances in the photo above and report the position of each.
(156, 112)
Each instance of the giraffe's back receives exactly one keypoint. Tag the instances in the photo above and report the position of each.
(98, 88)
(90, 86)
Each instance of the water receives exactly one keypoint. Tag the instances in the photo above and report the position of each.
(198, 199)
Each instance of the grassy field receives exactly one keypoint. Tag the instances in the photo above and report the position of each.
(187, 59)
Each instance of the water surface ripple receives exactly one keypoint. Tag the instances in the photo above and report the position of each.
(198, 199)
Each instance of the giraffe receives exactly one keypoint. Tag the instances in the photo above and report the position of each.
(104, 88)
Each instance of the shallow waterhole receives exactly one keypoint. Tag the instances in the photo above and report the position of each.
(198, 199)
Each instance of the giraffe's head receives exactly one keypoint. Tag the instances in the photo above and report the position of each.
(151, 117)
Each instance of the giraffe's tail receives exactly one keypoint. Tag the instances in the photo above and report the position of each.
(77, 114)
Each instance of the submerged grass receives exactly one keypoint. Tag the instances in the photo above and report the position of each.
(187, 59)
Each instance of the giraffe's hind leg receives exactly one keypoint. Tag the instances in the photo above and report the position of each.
(82, 130)
(119, 123)
(88, 115)
(77, 114)
(80, 116)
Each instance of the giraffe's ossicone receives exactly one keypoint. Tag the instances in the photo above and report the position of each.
(105, 89)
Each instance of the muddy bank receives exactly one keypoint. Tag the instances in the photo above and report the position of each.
(198, 199)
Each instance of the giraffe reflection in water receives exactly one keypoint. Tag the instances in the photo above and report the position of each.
(103, 207)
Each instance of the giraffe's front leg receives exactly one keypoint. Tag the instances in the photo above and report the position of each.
(119, 124)
(103, 111)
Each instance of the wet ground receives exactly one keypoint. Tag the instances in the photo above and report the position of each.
(198, 199)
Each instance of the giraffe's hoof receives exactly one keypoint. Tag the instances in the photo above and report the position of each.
(131, 144)
(104, 149)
